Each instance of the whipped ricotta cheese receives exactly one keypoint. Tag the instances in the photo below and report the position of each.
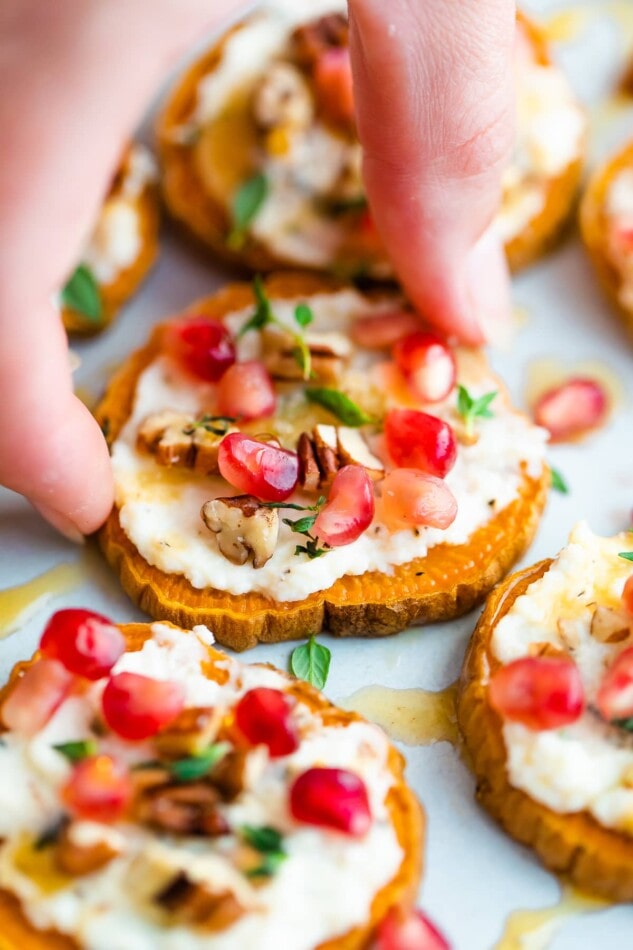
(619, 212)
(117, 239)
(324, 887)
(159, 509)
(586, 766)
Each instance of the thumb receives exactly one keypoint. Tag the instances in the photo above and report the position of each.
(435, 105)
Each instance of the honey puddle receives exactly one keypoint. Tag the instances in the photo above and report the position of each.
(535, 929)
(412, 716)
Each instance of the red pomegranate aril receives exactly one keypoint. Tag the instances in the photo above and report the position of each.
(35, 696)
(349, 509)
(572, 408)
(264, 717)
(99, 789)
(202, 345)
(615, 696)
(380, 331)
(86, 643)
(408, 931)
(427, 364)
(627, 594)
(333, 85)
(418, 440)
(246, 391)
(137, 707)
(258, 468)
(331, 798)
(410, 497)
(538, 692)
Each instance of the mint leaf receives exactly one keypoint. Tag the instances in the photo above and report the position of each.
(627, 555)
(301, 525)
(196, 766)
(558, 482)
(270, 843)
(470, 409)
(626, 724)
(77, 750)
(263, 311)
(81, 293)
(339, 405)
(245, 205)
(303, 315)
(311, 662)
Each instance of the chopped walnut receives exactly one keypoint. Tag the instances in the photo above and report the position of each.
(230, 774)
(192, 902)
(183, 809)
(76, 858)
(178, 439)
(329, 352)
(610, 625)
(328, 449)
(195, 728)
(283, 99)
(545, 648)
(244, 528)
(309, 41)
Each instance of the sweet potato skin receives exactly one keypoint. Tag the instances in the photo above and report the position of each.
(406, 814)
(448, 582)
(593, 857)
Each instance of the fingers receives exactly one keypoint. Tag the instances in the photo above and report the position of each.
(435, 104)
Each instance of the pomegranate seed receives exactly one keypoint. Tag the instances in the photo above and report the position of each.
(86, 643)
(246, 391)
(615, 696)
(333, 85)
(349, 510)
(627, 595)
(331, 798)
(408, 931)
(410, 497)
(539, 692)
(418, 440)
(427, 364)
(35, 696)
(264, 717)
(137, 707)
(572, 408)
(258, 468)
(99, 789)
(201, 345)
(381, 331)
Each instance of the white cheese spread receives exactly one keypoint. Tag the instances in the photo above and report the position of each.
(159, 508)
(324, 887)
(586, 766)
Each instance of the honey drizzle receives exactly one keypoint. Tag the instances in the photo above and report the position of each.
(19, 603)
(534, 929)
(417, 717)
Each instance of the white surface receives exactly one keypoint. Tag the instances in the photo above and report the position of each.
(475, 875)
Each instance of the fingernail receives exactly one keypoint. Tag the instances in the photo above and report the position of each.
(488, 288)
(60, 522)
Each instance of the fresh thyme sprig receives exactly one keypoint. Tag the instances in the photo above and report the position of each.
(264, 316)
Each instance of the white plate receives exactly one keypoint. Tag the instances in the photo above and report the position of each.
(475, 875)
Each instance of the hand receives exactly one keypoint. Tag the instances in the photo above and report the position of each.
(433, 87)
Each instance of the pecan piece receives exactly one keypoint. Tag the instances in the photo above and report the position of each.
(323, 453)
(230, 774)
(76, 857)
(309, 41)
(353, 450)
(191, 902)
(610, 625)
(187, 809)
(178, 439)
(189, 733)
(244, 528)
(329, 353)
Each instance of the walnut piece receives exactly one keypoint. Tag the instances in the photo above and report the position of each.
(185, 441)
(327, 449)
(610, 625)
(193, 730)
(76, 858)
(283, 99)
(329, 352)
(182, 809)
(191, 902)
(244, 528)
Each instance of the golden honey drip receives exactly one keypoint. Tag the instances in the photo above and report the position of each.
(535, 929)
(19, 603)
(413, 716)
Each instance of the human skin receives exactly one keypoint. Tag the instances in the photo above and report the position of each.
(433, 89)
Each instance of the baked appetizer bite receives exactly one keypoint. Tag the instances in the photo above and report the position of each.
(158, 794)
(546, 708)
(261, 160)
(606, 221)
(120, 250)
(301, 456)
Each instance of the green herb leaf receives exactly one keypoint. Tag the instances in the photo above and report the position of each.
(624, 724)
(195, 766)
(245, 206)
(269, 866)
(470, 409)
(627, 555)
(75, 751)
(269, 842)
(301, 525)
(81, 293)
(303, 357)
(263, 310)
(345, 205)
(217, 425)
(289, 504)
(311, 662)
(303, 315)
(339, 405)
(50, 835)
(311, 548)
(558, 482)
